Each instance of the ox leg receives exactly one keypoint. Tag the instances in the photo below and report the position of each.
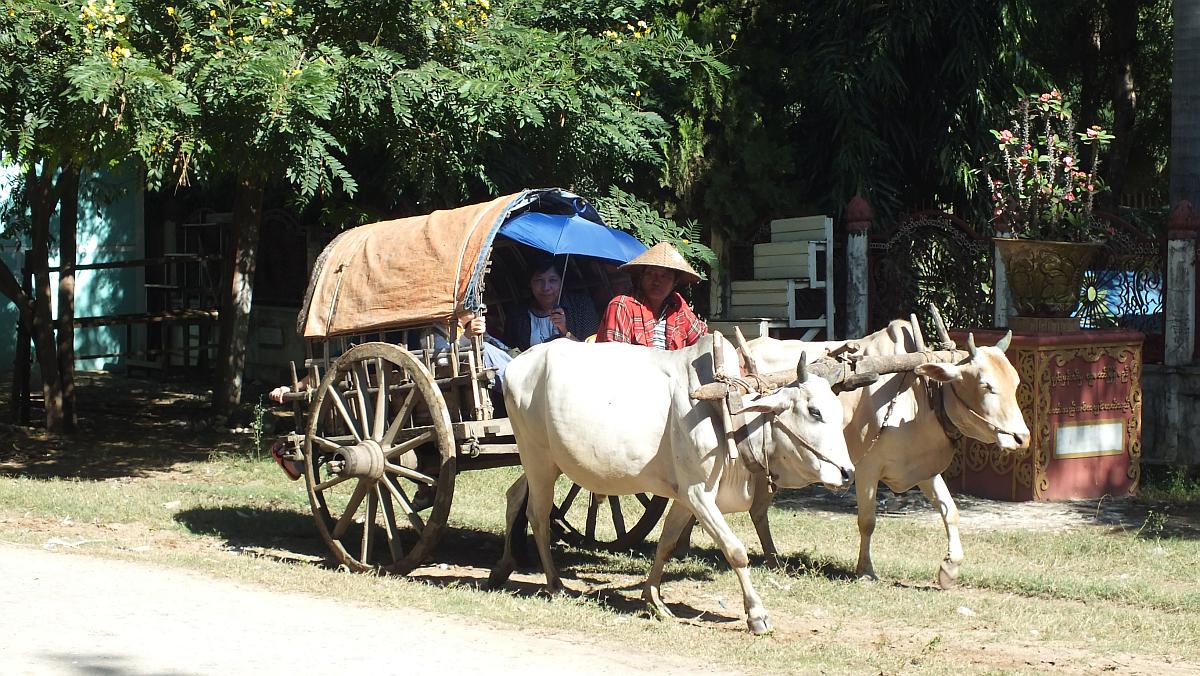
(705, 509)
(679, 519)
(864, 490)
(517, 498)
(683, 545)
(761, 498)
(541, 502)
(939, 494)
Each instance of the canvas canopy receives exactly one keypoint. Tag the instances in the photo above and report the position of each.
(414, 271)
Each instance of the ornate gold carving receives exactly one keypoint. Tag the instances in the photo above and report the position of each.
(1045, 277)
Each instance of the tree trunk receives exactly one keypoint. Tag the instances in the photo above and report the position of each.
(237, 295)
(1121, 50)
(21, 295)
(68, 219)
(1185, 103)
(41, 207)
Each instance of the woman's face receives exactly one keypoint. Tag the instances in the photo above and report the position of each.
(545, 286)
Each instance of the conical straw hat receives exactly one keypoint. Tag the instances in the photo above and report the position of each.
(664, 255)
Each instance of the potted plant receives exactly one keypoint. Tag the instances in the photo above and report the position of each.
(1042, 193)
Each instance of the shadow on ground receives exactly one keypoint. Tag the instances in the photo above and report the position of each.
(127, 427)
(1130, 514)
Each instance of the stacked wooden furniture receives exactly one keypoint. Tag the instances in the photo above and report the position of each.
(792, 286)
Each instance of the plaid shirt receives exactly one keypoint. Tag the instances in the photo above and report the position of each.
(627, 320)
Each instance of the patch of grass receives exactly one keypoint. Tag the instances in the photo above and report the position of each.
(1075, 598)
(1170, 484)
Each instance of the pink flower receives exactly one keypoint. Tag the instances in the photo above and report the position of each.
(1006, 136)
(1070, 197)
(998, 211)
(1068, 161)
(1044, 98)
(1093, 132)
(1091, 188)
(1055, 94)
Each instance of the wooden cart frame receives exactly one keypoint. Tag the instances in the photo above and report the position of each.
(407, 403)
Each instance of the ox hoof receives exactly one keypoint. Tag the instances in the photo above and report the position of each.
(948, 575)
(659, 611)
(497, 578)
(760, 626)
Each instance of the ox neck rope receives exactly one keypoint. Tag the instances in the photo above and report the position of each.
(937, 394)
(887, 415)
(754, 461)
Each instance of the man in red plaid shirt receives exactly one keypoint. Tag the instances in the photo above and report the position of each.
(656, 315)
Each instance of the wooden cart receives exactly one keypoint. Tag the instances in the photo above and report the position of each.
(399, 404)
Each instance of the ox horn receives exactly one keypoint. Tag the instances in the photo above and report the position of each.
(943, 334)
(744, 348)
(802, 367)
(971, 349)
(1003, 343)
(916, 329)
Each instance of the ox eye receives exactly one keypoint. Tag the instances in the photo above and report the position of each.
(815, 413)
(988, 387)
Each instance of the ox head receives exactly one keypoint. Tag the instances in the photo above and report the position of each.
(981, 395)
(806, 432)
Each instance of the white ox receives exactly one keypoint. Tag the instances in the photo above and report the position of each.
(618, 419)
(899, 431)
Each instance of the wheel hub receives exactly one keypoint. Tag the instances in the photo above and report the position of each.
(364, 459)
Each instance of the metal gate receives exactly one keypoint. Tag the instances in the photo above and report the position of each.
(930, 256)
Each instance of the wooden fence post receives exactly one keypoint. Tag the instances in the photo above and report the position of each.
(858, 226)
(1179, 335)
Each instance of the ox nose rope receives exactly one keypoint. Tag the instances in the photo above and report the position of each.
(987, 423)
(805, 443)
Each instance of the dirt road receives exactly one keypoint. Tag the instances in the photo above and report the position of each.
(73, 614)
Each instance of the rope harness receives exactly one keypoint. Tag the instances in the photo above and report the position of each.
(757, 458)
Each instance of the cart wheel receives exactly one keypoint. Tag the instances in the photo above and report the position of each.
(614, 523)
(379, 451)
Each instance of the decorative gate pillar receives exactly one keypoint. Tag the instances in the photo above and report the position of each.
(1000, 279)
(1180, 307)
(858, 227)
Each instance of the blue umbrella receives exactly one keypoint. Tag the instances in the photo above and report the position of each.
(573, 234)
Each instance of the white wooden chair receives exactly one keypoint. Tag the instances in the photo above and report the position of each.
(793, 279)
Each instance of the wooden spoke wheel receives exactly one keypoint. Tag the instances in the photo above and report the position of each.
(379, 460)
(614, 523)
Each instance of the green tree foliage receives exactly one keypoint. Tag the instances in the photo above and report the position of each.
(893, 100)
(74, 93)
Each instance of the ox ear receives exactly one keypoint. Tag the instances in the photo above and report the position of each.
(943, 373)
(774, 404)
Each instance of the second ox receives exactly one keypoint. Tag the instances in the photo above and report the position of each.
(619, 419)
(901, 429)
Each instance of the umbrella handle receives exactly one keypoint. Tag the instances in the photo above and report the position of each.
(558, 300)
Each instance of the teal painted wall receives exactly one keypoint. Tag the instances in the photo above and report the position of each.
(111, 228)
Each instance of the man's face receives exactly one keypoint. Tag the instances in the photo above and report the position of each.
(656, 284)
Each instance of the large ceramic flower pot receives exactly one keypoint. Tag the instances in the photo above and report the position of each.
(1044, 277)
